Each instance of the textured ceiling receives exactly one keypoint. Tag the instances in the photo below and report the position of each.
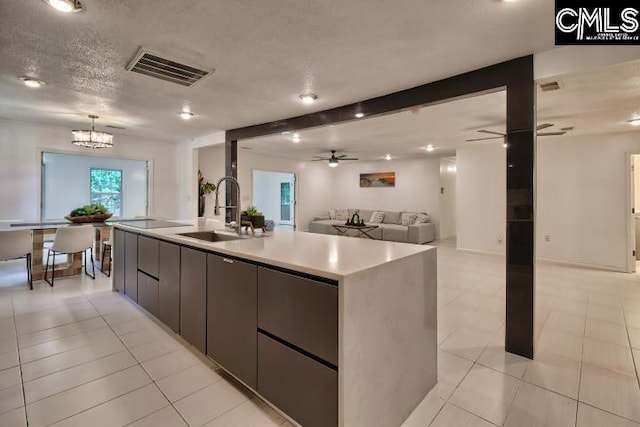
(598, 102)
(265, 54)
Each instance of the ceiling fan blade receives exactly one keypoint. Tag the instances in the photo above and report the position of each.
(491, 132)
(544, 126)
(484, 139)
(349, 158)
(550, 133)
(320, 160)
(341, 156)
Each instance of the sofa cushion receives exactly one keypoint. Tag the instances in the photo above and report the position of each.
(342, 214)
(365, 214)
(394, 232)
(408, 218)
(376, 217)
(422, 218)
(391, 218)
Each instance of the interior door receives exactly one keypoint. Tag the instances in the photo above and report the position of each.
(286, 204)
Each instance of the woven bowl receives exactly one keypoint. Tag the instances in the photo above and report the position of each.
(88, 218)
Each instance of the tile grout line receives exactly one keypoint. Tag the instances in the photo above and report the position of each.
(633, 358)
(143, 368)
(584, 332)
(15, 328)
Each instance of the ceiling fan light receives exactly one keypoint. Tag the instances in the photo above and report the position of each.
(635, 122)
(66, 6)
(333, 163)
(308, 98)
(32, 83)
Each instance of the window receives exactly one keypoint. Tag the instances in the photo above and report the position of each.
(106, 189)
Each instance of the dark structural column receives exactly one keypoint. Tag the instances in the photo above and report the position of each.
(231, 169)
(521, 140)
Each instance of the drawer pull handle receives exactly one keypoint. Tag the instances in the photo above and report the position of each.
(230, 261)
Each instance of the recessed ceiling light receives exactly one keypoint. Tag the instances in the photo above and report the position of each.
(430, 148)
(387, 157)
(505, 145)
(635, 122)
(65, 6)
(186, 115)
(29, 82)
(308, 98)
(359, 115)
(295, 138)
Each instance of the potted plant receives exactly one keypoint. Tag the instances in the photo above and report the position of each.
(204, 188)
(89, 213)
(253, 215)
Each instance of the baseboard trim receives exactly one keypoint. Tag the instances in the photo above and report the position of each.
(553, 261)
(582, 265)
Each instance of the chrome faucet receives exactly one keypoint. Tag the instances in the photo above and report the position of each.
(216, 209)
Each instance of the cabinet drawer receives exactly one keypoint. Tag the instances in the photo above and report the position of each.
(304, 389)
(118, 260)
(300, 311)
(148, 293)
(148, 255)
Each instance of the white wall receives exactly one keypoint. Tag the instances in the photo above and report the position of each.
(582, 198)
(481, 198)
(266, 193)
(21, 143)
(448, 197)
(67, 183)
(313, 186)
(417, 186)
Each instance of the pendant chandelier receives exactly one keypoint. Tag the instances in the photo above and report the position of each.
(92, 138)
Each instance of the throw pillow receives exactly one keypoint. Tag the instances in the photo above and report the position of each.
(342, 214)
(422, 218)
(332, 214)
(407, 218)
(376, 217)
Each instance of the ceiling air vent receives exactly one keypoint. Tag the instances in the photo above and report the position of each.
(153, 65)
(550, 86)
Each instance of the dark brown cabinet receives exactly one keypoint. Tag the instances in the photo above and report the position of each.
(118, 260)
(300, 311)
(169, 285)
(301, 387)
(148, 293)
(131, 265)
(193, 297)
(232, 322)
(148, 255)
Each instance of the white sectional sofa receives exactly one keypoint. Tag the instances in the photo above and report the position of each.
(390, 229)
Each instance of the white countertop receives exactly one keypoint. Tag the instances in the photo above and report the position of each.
(333, 257)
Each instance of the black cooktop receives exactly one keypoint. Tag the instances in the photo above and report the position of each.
(153, 224)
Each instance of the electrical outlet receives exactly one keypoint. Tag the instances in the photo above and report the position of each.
(547, 237)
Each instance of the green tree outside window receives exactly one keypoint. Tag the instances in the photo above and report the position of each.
(106, 189)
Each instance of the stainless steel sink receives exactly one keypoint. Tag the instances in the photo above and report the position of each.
(211, 236)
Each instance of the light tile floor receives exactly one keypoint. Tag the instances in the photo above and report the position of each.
(80, 355)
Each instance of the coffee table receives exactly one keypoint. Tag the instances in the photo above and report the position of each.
(364, 230)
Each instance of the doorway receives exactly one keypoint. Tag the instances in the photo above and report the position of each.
(634, 218)
(274, 194)
(448, 170)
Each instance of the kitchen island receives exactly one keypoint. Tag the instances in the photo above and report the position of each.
(332, 331)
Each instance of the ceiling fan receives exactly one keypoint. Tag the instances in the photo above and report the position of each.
(504, 135)
(333, 160)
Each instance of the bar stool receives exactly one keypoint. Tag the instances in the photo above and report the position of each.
(106, 247)
(15, 244)
(71, 240)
